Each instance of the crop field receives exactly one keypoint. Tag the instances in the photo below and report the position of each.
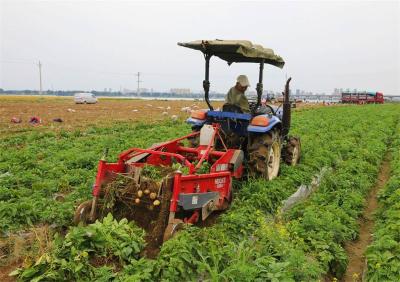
(46, 171)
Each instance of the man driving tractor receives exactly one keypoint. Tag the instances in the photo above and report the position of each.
(236, 95)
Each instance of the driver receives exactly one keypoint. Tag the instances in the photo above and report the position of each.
(236, 95)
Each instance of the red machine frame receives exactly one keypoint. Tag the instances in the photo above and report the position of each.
(225, 165)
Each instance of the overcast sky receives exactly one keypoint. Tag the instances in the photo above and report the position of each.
(91, 45)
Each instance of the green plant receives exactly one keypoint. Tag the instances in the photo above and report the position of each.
(107, 244)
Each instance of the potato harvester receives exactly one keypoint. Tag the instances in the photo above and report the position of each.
(197, 170)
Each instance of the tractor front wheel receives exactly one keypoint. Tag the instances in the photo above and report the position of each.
(265, 155)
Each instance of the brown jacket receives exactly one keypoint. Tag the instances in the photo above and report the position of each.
(235, 97)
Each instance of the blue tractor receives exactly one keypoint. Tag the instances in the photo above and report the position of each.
(263, 134)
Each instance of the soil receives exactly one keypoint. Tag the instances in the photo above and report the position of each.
(112, 262)
(356, 249)
(74, 116)
(5, 270)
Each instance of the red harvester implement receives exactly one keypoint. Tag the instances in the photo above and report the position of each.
(190, 198)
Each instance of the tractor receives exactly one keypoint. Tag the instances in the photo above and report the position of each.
(198, 169)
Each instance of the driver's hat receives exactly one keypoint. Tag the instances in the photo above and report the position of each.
(243, 80)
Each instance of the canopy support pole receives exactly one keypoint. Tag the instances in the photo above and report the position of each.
(259, 87)
(206, 81)
(286, 116)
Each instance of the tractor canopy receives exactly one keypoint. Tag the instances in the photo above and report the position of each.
(236, 51)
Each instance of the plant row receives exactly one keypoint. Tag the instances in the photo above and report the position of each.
(329, 218)
(383, 255)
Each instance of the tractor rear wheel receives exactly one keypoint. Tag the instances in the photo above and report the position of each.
(265, 155)
(292, 151)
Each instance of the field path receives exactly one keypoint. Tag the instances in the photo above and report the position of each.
(356, 249)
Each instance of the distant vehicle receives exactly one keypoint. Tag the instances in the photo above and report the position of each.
(362, 98)
(85, 98)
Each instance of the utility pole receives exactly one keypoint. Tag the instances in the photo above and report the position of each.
(40, 78)
(138, 84)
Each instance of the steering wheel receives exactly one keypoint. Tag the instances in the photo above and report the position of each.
(262, 109)
(232, 108)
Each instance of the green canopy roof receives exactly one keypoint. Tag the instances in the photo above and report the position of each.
(236, 51)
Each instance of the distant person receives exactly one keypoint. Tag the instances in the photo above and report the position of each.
(236, 95)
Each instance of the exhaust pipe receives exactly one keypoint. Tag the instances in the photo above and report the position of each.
(286, 117)
(206, 82)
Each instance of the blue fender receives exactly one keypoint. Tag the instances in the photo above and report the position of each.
(273, 121)
(195, 121)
